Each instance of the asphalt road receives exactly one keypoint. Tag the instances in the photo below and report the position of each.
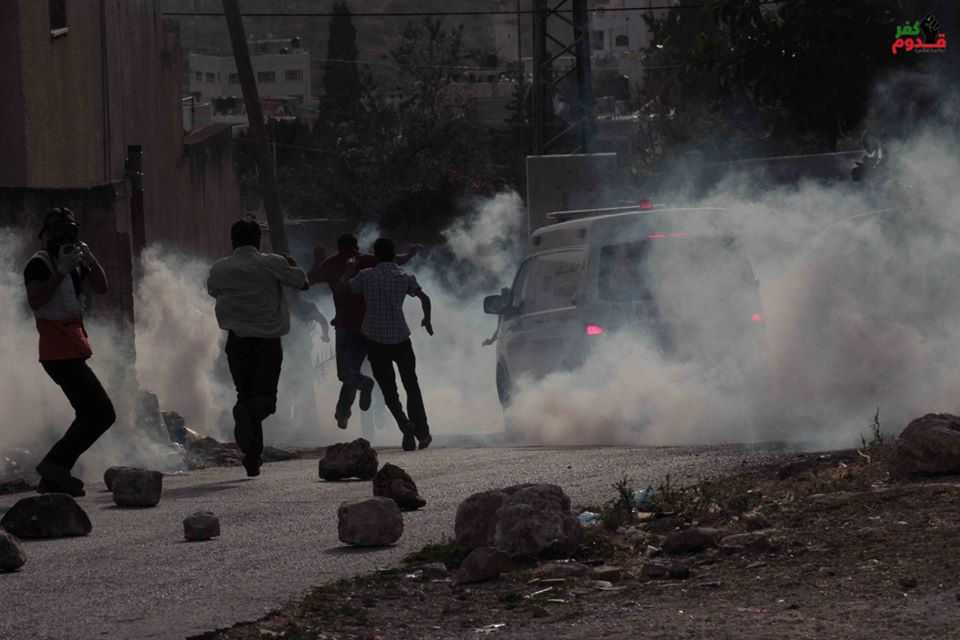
(135, 577)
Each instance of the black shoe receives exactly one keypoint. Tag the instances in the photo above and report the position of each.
(409, 439)
(243, 429)
(366, 394)
(60, 476)
(252, 464)
(51, 486)
(341, 422)
(425, 441)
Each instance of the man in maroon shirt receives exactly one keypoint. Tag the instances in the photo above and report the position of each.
(350, 310)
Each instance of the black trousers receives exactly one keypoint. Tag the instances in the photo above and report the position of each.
(382, 358)
(255, 366)
(94, 411)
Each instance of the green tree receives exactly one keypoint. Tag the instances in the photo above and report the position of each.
(745, 77)
(341, 77)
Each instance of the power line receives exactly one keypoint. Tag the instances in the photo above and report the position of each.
(450, 67)
(424, 14)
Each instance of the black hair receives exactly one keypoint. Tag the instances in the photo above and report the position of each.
(346, 242)
(245, 232)
(384, 250)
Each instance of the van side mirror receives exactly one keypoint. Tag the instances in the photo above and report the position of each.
(495, 305)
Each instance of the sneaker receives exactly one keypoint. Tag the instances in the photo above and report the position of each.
(252, 464)
(366, 394)
(50, 486)
(60, 476)
(409, 440)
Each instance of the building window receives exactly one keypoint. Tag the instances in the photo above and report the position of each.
(58, 17)
(266, 76)
(294, 74)
(211, 77)
(234, 78)
(623, 41)
(596, 39)
(198, 75)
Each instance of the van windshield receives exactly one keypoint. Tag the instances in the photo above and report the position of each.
(548, 281)
(698, 266)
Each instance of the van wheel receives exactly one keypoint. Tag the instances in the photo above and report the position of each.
(504, 386)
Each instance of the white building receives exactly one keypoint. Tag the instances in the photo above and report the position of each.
(617, 28)
(281, 67)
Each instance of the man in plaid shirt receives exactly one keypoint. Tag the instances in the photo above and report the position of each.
(384, 288)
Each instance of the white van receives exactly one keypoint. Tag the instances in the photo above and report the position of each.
(671, 276)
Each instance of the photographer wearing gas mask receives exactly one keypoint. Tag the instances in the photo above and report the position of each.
(55, 278)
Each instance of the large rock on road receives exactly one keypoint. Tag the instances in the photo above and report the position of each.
(928, 446)
(349, 460)
(375, 522)
(12, 555)
(395, 483)
(522, 520)
(52, 515)
(137, 488)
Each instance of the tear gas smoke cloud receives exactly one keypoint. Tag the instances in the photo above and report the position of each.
(859, 314)
(178, 340)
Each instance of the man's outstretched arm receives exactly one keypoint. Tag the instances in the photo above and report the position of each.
(404, 258)
(425, 303)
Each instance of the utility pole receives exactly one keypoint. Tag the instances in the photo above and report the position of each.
(548, 13)
(268, 178)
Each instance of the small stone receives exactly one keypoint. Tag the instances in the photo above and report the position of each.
(601, 584)
(485, 563)
(395, 483)
(375, 522)
(608, 573)
(52, 515)
(752, 541)
(908, 583)
(563, 570)
(12, 555)
(111, 473)
(692, 540)
(434, 571)
(679, 572)
(654, 571)
(755, 521)
(662, 525)
(539, 612)
(349, 460)
(202, 525)
(137, 488)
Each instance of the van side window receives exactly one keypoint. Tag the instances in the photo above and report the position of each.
(549, 281)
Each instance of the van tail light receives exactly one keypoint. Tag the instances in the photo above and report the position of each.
(756, 317)
(646, 204)
(594, 330)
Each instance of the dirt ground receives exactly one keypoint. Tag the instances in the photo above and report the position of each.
(843, 553)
